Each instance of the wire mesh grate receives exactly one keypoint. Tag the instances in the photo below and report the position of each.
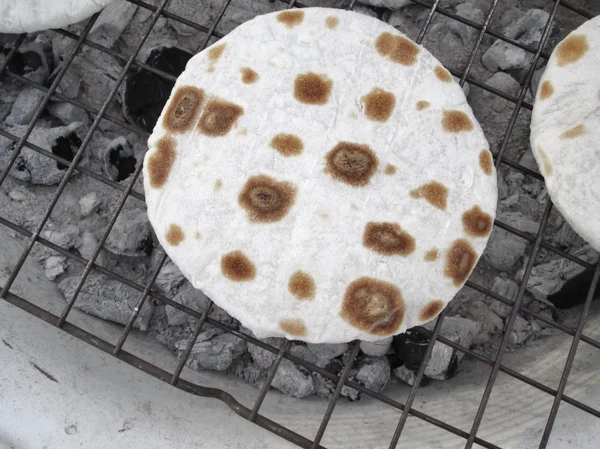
(148, 292)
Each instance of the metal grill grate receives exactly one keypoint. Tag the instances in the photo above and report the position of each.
(146, 291)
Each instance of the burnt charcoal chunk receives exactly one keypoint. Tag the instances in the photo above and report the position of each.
(145, 94)
(575, 291)
(66, 147)
(25, 62)
(119, 159)
(410, 348)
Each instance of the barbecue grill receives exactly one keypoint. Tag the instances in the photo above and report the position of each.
(507, 400)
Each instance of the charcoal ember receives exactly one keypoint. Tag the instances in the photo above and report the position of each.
(144, 93)
(262, 357)
(519, 221)
(506, 288)
(131, 235)
(379, 347)
(549, 278)
(324, 386)
(31, 62)
(366, 10)
(66, 237)
(409, 376)
(54, 266)
(111, 22)
(213, 352)
(89, 203)
(373, 373)
(325, 352)
(461, 37)
(88, 247)
(528, 30)
(25, 106)
(70, 84)
(17, 195)
(194, 299)
(574, 291)
(244, 368)
(108, 299)
(33, 167)
(68, 113)
(527, 160)
(504, 250)
(202, 12)
(170, 279)
(293, 380)
(520, 332)
(490, 321)
(390, 4)
(240, 11)
(408, 19)
(303, 353)
(119, 159)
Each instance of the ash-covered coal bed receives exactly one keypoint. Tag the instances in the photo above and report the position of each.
(117, 147)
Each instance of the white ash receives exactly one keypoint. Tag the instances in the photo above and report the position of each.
(169, 279)
(88, 247)
(244, 368)
(70, 84)
(31, 166)
(106, 298)
(405, 375)
(24, 107)
(66, 237)
(213, 351)
(504, 250)
(17, 195)
(131, 235)
(54, 266)
(262, 357)
(370, 372)
(506, 288)
(324, 353)
(490, 321)
(68, 113)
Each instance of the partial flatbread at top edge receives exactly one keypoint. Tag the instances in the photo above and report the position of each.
(28, 16)
(565, 129)
(321, 177)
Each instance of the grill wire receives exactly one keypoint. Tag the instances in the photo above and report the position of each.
(146, 291)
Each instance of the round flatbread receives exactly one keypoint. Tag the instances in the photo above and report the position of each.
(321, 177)
(565, 129)
(28, 16)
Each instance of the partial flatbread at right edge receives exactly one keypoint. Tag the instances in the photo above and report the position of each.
(565, 129)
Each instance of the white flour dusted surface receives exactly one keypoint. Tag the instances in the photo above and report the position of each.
(321, 177)
(565, 129)
(27, 16)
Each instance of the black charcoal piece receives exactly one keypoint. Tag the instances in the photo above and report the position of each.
(66, 147)
(145, 94)
(410, 348)
(119, 160)
(575, 291)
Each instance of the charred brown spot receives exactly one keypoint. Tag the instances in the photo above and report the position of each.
(237, 267)
(331, 22)
(183, 109)
(219, 117)
(197, 235)
(547, 166)
(291, 18)
(431, 310)
(398, 48)
(351, 163)
(265, 199)
(388, 239)
(294, 327)
(287, 144)
(161, 161)
(353, 206)
(379, 104)
(374, 306)
(216, 51)
(485, 162)
(249, 76)
(546, 90)
(456, 122)
(175, 235)
(422, 105)
(460, 260)
(434, 192)
(218, 185)
(432, 255)
(572, 49)
(311, 88)
(302, 285)
(442, 74)
(477, 223)
(390, 169)
(576, 131)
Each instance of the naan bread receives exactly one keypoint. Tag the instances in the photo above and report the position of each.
(28, 16)
(321, 177)
(565, 129)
